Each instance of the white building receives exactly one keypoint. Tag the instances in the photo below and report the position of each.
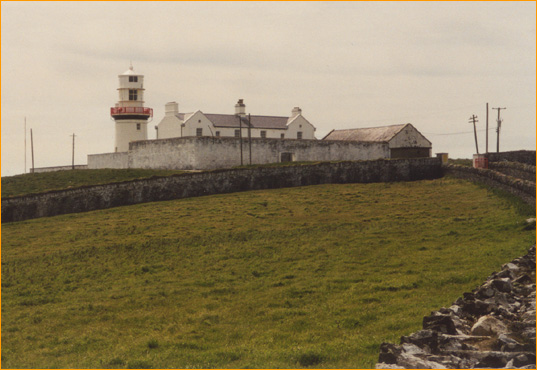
(129, 113)
(175, 124)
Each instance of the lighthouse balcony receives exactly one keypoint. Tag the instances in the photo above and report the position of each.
(131, 112)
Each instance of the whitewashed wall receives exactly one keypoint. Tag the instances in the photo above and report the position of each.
(210, 153)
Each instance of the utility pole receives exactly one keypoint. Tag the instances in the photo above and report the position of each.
(473, 120)
(240, 134)
(32, 145)
(487, 131)
(25, 145)
(250, 136)
(73, 150)
(499, 121)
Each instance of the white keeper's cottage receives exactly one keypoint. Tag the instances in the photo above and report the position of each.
(175, 124)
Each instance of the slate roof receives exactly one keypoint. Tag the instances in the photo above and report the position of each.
(231, 120)
(378, 134)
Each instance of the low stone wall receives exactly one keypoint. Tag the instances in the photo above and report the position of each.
(521, 156)
(118, 160)
(58, 168)
(491, 327)
(514, 169)
(215, 182)
(521, 188)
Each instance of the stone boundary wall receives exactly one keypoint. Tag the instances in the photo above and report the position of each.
(118, 160)
(521, 156)
(521, 188)
(215, 182)
(58, 168)
(491, 327)
(514, 169)
(209, 153)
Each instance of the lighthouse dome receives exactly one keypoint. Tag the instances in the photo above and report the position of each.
(129, 72)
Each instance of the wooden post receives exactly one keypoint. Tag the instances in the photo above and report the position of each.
(73, 165)
(250, 137)
(240, 134)
(25, 145)
(499, 122)
(474, 120)
(32, 145)
(487, 131)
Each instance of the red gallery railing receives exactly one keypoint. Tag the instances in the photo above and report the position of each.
(115, 111)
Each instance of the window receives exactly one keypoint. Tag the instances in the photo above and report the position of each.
(217, 133)
(299, 135)
(199, 131)
(133, 78)
(237, 133)
(263, 134)
(133, 95)
(282, 136)
(138, 126)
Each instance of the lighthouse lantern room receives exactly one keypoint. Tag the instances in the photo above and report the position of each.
(129, 114)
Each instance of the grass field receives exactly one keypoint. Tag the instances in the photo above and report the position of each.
(41, 182)
(315, 276)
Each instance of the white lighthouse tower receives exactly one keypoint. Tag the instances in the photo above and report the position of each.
(129, 114)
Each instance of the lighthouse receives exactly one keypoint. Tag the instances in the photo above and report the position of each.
(129, 114)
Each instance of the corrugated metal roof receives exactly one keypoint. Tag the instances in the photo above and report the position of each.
(378, 134)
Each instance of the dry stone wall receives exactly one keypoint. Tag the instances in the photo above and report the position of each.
(514, 169)
(518, 187)
(215, 182)
(491, 327)
(521, 156)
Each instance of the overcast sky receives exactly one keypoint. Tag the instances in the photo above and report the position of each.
(347, 65)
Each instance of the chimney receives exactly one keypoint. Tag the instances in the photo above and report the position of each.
(295, 112)
(171, 108)
(240, 108)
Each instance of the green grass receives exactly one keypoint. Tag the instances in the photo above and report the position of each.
(313, 277)
(461, 161)
(41, 182)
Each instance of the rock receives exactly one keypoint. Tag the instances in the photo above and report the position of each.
(441, 323)
(488, 325)
(389, 353)
(383, 365)
(423, 338)
(494, 360)
(413, 362)
(510, 266)
(502, 285)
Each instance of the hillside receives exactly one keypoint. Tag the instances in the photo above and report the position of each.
(315, 276)
(41, 182)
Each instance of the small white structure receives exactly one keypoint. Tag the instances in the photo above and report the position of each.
(175, 124)
(129, 113)
(404, 141)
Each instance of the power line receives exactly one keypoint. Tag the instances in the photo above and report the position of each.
(455, 133)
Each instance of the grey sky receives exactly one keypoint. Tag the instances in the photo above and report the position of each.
(346, 64)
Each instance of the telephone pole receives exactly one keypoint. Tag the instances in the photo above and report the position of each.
(487, 131)
(32, 145)
(73, 165)
(25, 145)
(473, 120)
(499, 121)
